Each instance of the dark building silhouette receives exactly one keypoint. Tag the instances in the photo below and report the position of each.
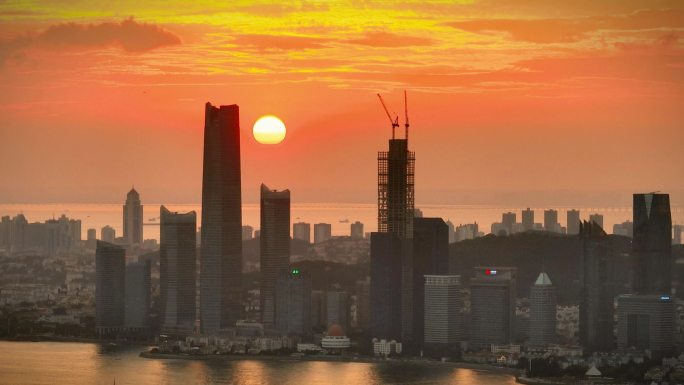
(302, 231)
(551, 221)
(293, 302)
(646, 318)
(492, 306)
(110, 281)
(337, 308)
(542, 311)
(322, 232)
(275, 247)
(385, 286)
(442, 330)
(430, 257)
(573, 222)
(177, 271)
(363, 304)
(133, 218)
(221, 245)
(596, 218)
(318, 310)
(356, 230)
(528, 219)
(138, 291)
(508, 220)
(596, 278)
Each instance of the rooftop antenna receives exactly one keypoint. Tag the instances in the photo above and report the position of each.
(406, 123)
(395, 122)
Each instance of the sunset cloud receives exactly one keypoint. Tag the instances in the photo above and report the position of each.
(387, 39)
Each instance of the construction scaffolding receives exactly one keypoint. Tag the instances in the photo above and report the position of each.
(396, 191)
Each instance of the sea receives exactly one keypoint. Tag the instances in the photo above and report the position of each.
(66, 363)
(339, 215)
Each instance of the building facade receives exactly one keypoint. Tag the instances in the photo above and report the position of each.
(492, 306)
(442, 323)
(110, 287)
(542, 311)
(293, 302)
(133, 218)
(302, 231)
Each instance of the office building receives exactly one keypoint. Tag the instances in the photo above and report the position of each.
(492, 306)
(363, 304)
(442, 326)
(542, 311)
(573, 222)
(110, 278)
(528, 219)
(337, 308)
(137, 294)
(596, 218)
(302, 231)
(221, 252)
(508, 220)
(133, 218)
(385, 273)
(177, 271)
(91, 240)
(356, 230)
(597, 289)
(322, 232)
(247, 233)
(318, 310)
(108, 234)
(293, 302)
(551, 221)
(275, 247)
(646, 322)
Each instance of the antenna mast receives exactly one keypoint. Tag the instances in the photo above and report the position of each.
(406, 123)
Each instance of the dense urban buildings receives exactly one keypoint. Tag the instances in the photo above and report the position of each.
(625, 228)
(322, 232)
(293, 302)
(275, 247)
(492, 306)
(542, 311)
(596, 279)
(302, 231)
(138, 291)
(177, 271)
(133, 218)
(442, 321)
(110, 275)
(573, 222)
(221, 249)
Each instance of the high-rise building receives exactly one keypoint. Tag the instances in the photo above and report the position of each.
(318, 310)
(677, 234)
(508, 220)
(442, 329)
(573, 222)
(322, 232)
(625, 229)
(542, 311)
(646, 318)
(5, 226)
(138, 291)
(337, 308)
(452, 231)
(396, 211)
(356, 230)
(596, 279)
(18, 233)
(275, 247)
(110, 278)
(551, 221)
(492, 306)
(430, 257)
(293, 302)
(528, 219)
(91, 240)
(363, 304)
(596, 218)
(247, 233)
(108, 234)
(221, 252)
(177, 271)
(133, 218)
(302, 231)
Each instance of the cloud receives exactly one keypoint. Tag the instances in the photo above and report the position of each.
(571, 30)
(387, 39)
(278, 42)
(128, 34)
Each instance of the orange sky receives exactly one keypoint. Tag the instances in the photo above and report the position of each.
(527, 102)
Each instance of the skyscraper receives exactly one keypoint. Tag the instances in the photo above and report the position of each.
(356, 230)
(646, 318)
(177, 271)
(363, 304)
(596, 218)
(492, 306)
(573, 222)
(596, 279)
(385, 273)
(302, 231)
(508, 220)
(91, 240)
(528, 219)
(138, 291)
(551, 221)
(322, 232)
(133, 218)
(452, 232)
(542, 311)
(275, 247)
(293, 302)
(442, 300)
(221, 252)
(430, 257)
(337, 308)
(110, 278)
(108, 234)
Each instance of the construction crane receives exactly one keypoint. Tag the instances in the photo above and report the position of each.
(406, 122)
(395, 122)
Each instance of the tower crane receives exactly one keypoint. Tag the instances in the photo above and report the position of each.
(395, 122)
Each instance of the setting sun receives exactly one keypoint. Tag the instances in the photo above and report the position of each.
(269, 130)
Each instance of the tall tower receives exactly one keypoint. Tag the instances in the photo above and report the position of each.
(492, 306)
(275, 247)
(542, 311)
(221, 253)
(133, 218)
(396, 194)
(528, 219)
(177, 271)
(110, 278)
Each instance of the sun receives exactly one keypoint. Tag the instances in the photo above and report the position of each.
(269, 129)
